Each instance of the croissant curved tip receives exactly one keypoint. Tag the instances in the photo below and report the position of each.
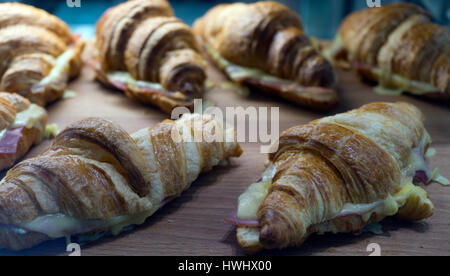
(274, 231)
(269, 236)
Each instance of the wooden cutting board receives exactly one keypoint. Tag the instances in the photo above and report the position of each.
(194, 223)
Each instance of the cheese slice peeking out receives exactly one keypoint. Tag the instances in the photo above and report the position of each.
(250, 201)
(32, 117)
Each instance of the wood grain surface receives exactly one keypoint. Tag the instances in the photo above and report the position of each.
(194, 223)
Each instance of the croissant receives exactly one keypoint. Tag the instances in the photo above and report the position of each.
(38, 53)
(398, 47)
(152, 56)
(22, 124)
(96, 178)
(339, 174)
(263, 45)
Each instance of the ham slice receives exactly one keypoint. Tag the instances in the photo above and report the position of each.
(8, 145)
(167, 200)
(233, 219)
(139, 86)
(283, 86)
(422, 177)
(132, 84)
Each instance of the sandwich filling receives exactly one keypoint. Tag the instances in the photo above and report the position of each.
(250, 201)
(60, 225)
(124, 81)
(28, 118)
(253, 76)
(59, 75)
(389, 83)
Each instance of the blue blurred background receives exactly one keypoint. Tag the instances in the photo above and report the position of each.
(320, 17)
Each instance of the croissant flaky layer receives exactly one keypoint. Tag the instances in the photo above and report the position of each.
(338, 174)
(38, 53)
(21, 125)
(269, 37)
(144, 39)
(399, 47)
(96, 178)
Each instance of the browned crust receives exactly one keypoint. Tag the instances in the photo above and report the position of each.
(269, 36)
(113, 139)
(31, 41)
(93, 171)
(422, 53)
(164, 103)
(145, 39)
(128, 15)
(329, 162)
(7, 112)
(17, 13)
(9, 238)
(29, 137)
(10, 105)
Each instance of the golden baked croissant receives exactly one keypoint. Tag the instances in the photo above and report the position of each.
(97, 178)
(21, 125)
(339, 174)
(152, 56)
(38, 53)
(397, 46)
(263, 45)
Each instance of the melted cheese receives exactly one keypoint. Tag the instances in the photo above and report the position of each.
(417, 158)
(51, 131)
(62, 65)
(69, 94)
(330, 52)
(60, 225)
(390, 205)
(30, 118)
(387, 80)
(238, 73)
(437, 177)
(133, 84)
(55, 226)
(126, 78)
(250, 200)
(2, 133)
(430, 153)
(386, 207)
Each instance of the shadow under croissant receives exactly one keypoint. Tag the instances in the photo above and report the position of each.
(109, 89)
(435, 99)
(431, 100)
(58, 246)
(264, 98)
(329, 244)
